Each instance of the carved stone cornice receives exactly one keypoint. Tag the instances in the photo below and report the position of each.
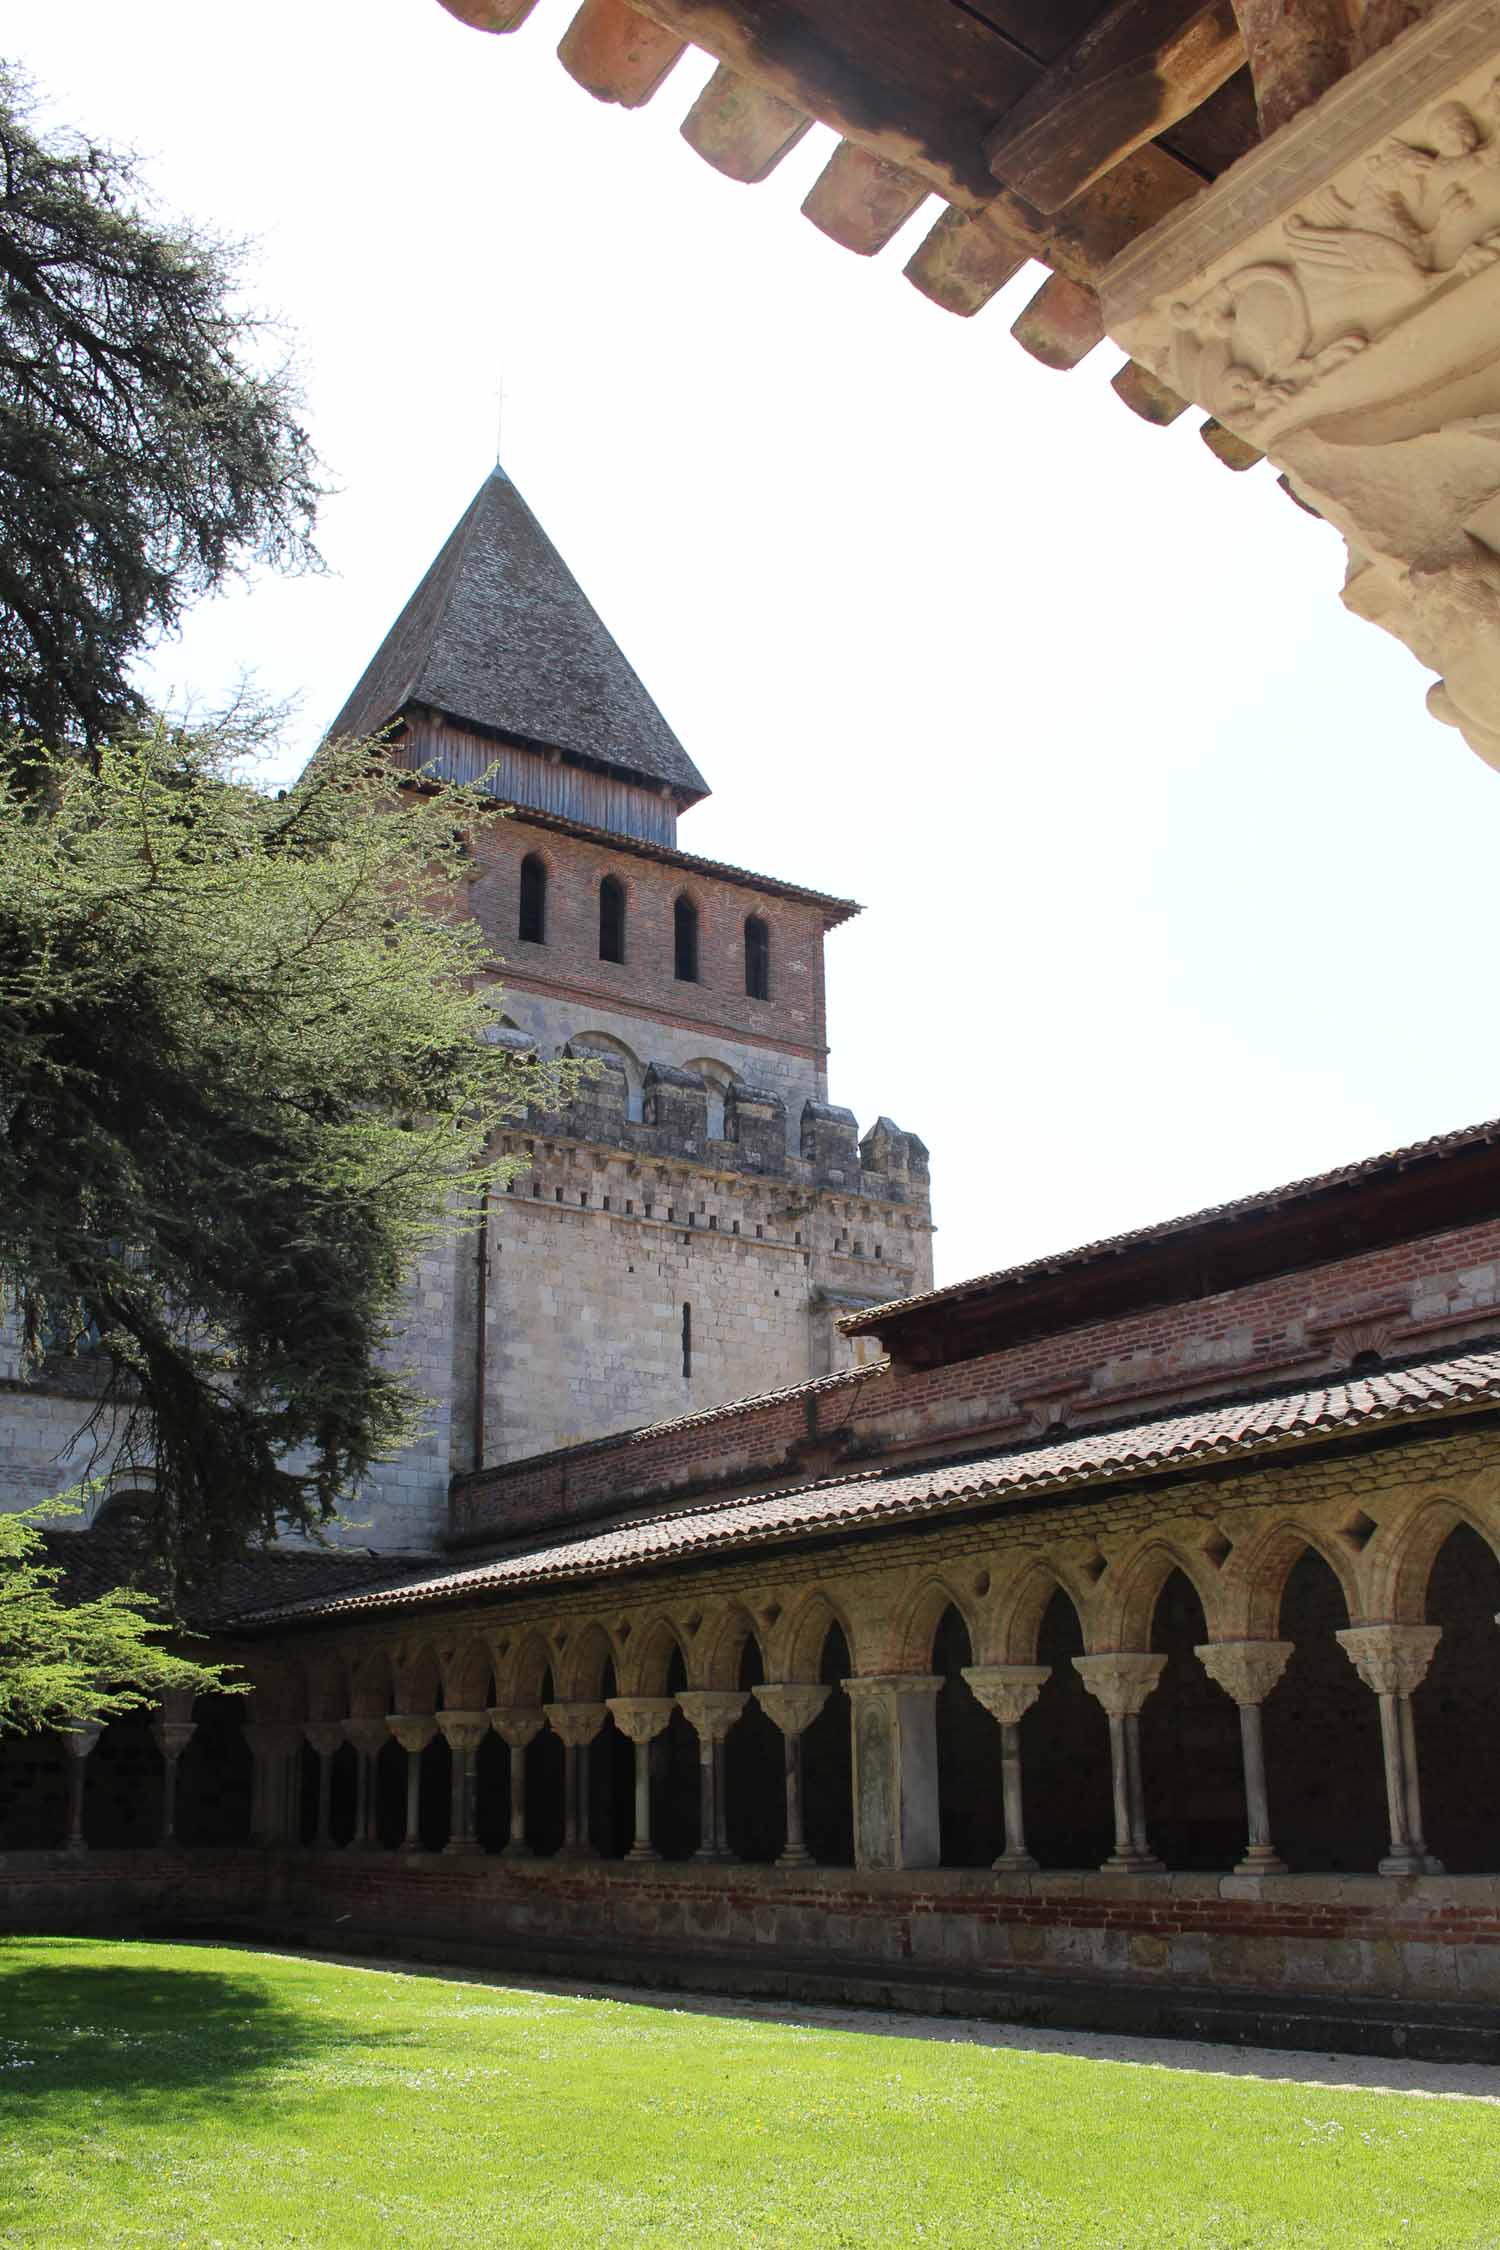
(1333, 299)
(413, 1729)
(711, 1712)
(463, 1731)
(1121, 1680)
(1390, 1659)
(575, 1723)
(791, 1705)
(1007, 1691)
(1245, 1670)
(515, 1724)
(641, 1718)
(871, 1686)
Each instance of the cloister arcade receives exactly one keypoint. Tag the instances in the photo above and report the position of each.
(1313, 1690)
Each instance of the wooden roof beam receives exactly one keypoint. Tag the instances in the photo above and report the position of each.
(1296, 52)
(1062, 323)
(1133, 75)
(617, 54)
(490, 15)
(961, 262)
(741, 128)
(861, 200)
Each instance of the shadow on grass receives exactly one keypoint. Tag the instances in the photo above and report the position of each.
(106, 2028)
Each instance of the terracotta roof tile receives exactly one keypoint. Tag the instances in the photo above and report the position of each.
(1182, 1439)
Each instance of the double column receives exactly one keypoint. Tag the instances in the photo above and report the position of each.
(413, 1730)
(641, 1718)
(275, 1804)
(1007, 1692)
(1247, 1671)
(576, 1725)
(711, 1712)
(1122, 1682)
(172, 1729)
(793, 1707)
(1392, 1661)
(517, 1727)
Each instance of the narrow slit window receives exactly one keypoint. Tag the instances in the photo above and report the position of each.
(757, 958)
(685, 941)
(532, 927)
(611, 919)
(687, 1340)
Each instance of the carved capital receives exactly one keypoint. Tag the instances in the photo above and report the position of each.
(325, 1736)
(1245, 1670)
(368, 1735)
(711, 1712)
(79, 1741)
(463, 1731)
(641, 1717)
(792, 1706)
(412, 1729)
(172, 1736)
(1007, 1691)
(1390, 1659)
(1120, 1681)
(576, 1723)
(875, 1686)
(516, 1724)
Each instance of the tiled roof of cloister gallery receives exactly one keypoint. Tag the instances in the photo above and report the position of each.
(1323, 1414)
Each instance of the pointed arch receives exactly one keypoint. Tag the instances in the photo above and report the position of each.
(415, 1677)
(797, 1650)
(685, 931)
(757, 957)
(612, 908)
(1029, 1601)
(720, 1648)
(912, 1642)
(580, 1666)
(521, 1670)
(648, 1657)
(1262, 1577)
(1402, 1564)
(369, 1684)
(1130, 1615)
(464, 1665)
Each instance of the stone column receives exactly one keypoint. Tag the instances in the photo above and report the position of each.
(517, 1727)
(711, 1712)
(577, 1724)
(325, 1737)
(1007, 1692)
(793, 1708)
(78, 1744)
(895, 1770)
(171, 1730)
(642, 1718)
(1247, 1671)
(413, 1730)
(272, 1745)
(463, 1732)
(369, 1737)
(1122, 1682)
(1392, 1661)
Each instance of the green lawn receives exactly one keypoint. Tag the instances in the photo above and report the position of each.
(160, 2094)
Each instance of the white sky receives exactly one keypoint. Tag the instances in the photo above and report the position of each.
(1173, 889)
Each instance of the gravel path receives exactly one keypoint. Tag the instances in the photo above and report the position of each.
(1369, 2074)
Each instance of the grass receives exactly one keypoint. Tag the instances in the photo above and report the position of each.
(157, 2094)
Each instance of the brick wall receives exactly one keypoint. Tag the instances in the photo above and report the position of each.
(1415, 1296)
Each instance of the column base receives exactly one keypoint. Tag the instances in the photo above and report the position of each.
(797, 1857)
(1133, 1863)
(643, 1851)
(1409, 1863)
(517, 1848)
(409, 1846)
(573, 1855)
(1014, 1863)
(708, 1854)
(1260, 1859)
(459, 1848)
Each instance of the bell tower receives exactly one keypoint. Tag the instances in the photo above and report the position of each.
(689, 1230)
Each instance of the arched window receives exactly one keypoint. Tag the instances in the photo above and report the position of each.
(611, 919)
(532, 928)
(757, 958)
(685, 941)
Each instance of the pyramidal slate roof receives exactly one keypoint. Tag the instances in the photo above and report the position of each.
(500, 636)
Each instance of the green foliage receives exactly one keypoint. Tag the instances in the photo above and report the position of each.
(196, 2095)
(145, 456)
(68, 1664)
(245, 1082)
